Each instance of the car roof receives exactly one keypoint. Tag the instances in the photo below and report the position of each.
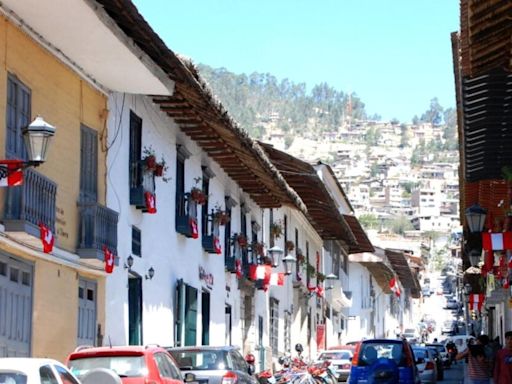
(135, 350)
(26, 364)
(193, 348)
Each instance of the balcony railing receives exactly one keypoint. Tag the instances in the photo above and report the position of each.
(98, 228)
(30, 204)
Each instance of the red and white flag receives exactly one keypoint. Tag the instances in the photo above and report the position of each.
(277, 279)
(238, 268)
(393, 285)
(476, 299)
(109, 259)
(150, 202)
(193, 228)
(14, 174)
(216, 245)
(319, 291)
(498, 241)
(46, 238)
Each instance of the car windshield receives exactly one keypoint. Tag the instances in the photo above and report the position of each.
(341, 355)
(420, 353)
(124, 366)
(7, 377)
(201, 360)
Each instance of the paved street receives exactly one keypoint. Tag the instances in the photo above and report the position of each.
(455, 374)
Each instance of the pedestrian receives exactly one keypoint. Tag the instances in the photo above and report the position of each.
(503, 362)
(479, 371)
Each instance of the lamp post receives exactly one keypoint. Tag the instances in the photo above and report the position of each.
(475, 218)
(37, 137)
(288, 262)
(467, 292)
(274, 253)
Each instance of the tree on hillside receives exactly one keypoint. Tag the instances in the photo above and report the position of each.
(434, 114)
(400, 224)
(369, 221)
(404, 136)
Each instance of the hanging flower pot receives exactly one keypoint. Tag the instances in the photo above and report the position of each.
(276, 230)
(290, 246)
(159, 170)
(198, 195)
(242, 241)
(150, 162)
(221, 217)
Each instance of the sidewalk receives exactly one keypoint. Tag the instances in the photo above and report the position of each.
(454, 374)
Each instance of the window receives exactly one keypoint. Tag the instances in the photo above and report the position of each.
(136, 241)
(88, 164)
(274, 325)
(287, 332)
(135, 168)
(204, 209)
(64, 375)
(18, 116)
(166, 367)
(46, 375)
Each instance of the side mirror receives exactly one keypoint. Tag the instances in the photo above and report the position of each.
(189, 377)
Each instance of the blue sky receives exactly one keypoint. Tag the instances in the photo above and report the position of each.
(394, 54)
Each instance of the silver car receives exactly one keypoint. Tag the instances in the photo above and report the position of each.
(426, 364)
(214, 365)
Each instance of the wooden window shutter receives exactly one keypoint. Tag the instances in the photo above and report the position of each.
(88, 164)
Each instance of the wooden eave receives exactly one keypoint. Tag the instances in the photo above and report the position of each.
(401, 267)
(201, 117)
(322, 211)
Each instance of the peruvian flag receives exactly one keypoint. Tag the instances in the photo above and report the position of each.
(193, 228)
(496, 241)
(13, 175)
(319, 291)
(277, 279)
(46, 237)
(476, 299)
(150, 202)
(216, 245)
(393, 285)
(238, 268)
(109, 259)
(256, 272)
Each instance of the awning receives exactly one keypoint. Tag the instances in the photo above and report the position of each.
(381, 272)
(336, 296)
(406, 276)
(363, 243)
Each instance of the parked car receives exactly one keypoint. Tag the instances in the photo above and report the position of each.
(410, 334)
(214, 365)
(438, 360)
(340, 359)
(448, 328)
(424, 359)
(17, 370)
(384, 359)
(133, 364)
(460, 341)
(443, 353)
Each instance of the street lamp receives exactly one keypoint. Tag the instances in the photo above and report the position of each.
(274, 253)
(475, 217)
(474, 257)
(288, 262)
(37, 137)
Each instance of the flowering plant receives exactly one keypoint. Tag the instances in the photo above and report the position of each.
(221, 217)
(276, 229)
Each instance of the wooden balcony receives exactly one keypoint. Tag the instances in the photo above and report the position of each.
(28, 205)
(98, 228)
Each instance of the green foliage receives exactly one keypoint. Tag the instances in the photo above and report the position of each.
(400, 225)
(369, 221)
(259, 99)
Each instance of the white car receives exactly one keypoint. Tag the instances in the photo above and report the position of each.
(28, 370)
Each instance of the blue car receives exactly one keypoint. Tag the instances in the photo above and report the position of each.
(384, 361)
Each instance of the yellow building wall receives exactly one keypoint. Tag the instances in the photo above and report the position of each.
(66, 101)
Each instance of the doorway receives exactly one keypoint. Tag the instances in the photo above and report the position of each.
(134, 310)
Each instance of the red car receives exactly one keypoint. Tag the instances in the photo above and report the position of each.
(134, 364)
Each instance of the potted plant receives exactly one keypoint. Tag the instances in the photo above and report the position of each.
(276, 229)
(221, 217)
(197, 194)
(149, 159)
(290, 246)
(320, 277)
(241, 240)
(259, 249)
